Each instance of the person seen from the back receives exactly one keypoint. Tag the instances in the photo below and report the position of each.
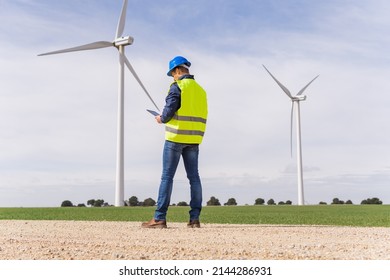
(185, 116)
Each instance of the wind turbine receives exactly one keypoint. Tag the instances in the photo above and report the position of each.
(295, 101)
(119, 42)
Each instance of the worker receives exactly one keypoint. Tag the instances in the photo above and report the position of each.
(185, 117)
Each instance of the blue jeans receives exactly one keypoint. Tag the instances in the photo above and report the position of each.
(171, 157)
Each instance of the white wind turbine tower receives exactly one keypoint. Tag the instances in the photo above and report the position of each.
(295, 100)
(119, 42)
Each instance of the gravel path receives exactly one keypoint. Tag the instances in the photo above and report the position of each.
(80, 240)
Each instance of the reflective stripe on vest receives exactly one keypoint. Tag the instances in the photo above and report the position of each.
(189, 119)
(188, 125)
(184, 132)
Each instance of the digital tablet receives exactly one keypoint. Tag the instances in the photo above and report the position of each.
(154, 113)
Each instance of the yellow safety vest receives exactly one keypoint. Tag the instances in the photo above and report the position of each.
(188, 125)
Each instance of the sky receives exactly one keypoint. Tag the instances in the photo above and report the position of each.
(58, 114)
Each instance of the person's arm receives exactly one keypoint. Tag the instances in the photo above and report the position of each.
(172, 104)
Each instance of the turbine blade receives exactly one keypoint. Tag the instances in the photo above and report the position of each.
(138, 79)
(302, 90)
(279, 83)
(92, 46)
(122, 20)
(291, 127)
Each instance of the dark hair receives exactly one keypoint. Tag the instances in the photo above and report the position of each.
(183, 69)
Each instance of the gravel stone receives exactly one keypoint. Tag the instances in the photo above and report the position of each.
(83, 240)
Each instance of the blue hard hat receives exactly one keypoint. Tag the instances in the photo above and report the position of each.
(177, 61)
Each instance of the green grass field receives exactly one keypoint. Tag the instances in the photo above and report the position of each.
(337, 215)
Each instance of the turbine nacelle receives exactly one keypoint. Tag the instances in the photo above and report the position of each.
(123, 41)
(299, 98)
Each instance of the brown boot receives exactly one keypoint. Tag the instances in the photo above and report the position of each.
(154, 224)
(193, 224)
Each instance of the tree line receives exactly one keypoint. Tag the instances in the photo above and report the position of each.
(133, 201)
(213, 201)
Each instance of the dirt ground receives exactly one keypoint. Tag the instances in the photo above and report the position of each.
(80, 240)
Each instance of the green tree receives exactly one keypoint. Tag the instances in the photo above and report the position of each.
(374, 200)
(91, 202)
(213, 202)
(231, 201)
(149, 202)
(259, 201)
(337, 201)
(271, 202)
(98, 203)
(182, 203)
(133, 201)
(67, 203)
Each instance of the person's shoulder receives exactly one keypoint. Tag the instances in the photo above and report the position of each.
(188, 76)
(174, 88)
(174, 85)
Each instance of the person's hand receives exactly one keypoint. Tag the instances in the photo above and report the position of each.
(158, 119)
